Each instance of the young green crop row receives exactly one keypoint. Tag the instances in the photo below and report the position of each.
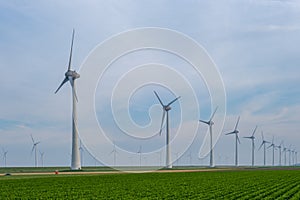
(192, 185)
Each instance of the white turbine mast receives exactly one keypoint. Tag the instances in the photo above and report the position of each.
(71, 76)
(166, 108)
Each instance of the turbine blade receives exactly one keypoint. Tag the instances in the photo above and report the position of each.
(204, 121)
(254, 130)
(260, 146)
(62, 83)
(70, 58)
(229, 133)
(162, 121)
(237, 123)
(33, 146)
(173, 101)
(238, 139)
(262, 136)
(161, 103)
(32, 139)
(248, 137)
(212, 116)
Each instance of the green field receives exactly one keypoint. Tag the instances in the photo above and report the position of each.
(241, 184)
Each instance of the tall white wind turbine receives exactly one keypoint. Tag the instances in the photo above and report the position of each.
(71, 76)
(166, 108)
(264, 142)
(210, 123)
(237, 140)
(253, 145)
(34, 148)
(273, 150)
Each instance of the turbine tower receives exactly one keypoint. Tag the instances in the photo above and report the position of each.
(237, 140)
(72, 76)
(210, 123)
(264, 142)
(253, 145)
(34, 148)
(273, 150)
(166, 109)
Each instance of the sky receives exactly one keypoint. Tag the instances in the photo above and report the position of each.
(254, 45)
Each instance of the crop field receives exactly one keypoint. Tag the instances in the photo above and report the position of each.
(240, 184)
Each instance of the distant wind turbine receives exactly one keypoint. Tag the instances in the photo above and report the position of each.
(280, 151)
(114, 151)
(237, 140)
(273, 150)
(289, 150)
(42, 158)
(284, 151)
(210, 123)
(140, 153)
(72, 76)
(264, 142)
(166, 109)
(253, 145)
(4, 156)
(34, 148)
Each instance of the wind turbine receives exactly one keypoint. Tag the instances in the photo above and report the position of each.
(140, 153)
(264, 142)
(253, 145)
(284, 150)
(114, 151)
(273, 148)
(72, 76)
(4, 156)
(237, 140)
(293, 157)
(279, 147)
(166, 109)
(42, 158)
(34, 148)
(289, 150)
(210, 123)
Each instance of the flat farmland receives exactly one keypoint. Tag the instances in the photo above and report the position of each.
(229, 184)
